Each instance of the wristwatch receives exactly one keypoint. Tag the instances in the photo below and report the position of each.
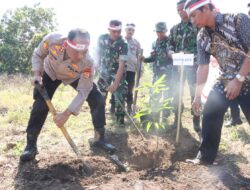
(240, 77)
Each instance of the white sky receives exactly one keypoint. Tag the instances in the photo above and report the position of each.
(94, 15)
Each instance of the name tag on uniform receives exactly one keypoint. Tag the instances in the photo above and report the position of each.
(183, 59)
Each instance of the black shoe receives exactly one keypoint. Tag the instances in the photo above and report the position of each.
(99, 141)
(199, 161)
(30, 150)
(233, 122)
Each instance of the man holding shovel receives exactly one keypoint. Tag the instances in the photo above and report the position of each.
(60, 59)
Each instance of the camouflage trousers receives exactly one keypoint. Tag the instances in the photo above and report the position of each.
(119, 96)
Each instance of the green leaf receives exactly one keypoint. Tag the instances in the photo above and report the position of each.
(149, 124)
(156, 125)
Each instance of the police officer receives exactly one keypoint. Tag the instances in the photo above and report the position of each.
(227, 38)
(134, 51)
(64, 59)
(162, 62)
(183, 39)
(112, 56)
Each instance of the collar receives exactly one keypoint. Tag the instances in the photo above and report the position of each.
(219, 19)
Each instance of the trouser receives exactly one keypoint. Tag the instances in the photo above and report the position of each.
(235, 110)
(212, 122)
(189, 75)
(118, 96)
(130, 78)
(40, 110)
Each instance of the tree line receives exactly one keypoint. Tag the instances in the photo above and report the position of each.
(21, 30)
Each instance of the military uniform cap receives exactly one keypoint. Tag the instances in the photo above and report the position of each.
(161, 27)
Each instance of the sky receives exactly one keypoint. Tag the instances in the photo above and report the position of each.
(94, 15)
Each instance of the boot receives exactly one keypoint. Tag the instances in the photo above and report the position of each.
(196, 124)
(100, 141)
(30, 150)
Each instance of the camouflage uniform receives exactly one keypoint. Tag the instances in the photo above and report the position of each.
(110, 53)
(162, 65)
(183, 39)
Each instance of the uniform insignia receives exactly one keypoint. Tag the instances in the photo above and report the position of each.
(46, 45)
(87, 72)
(53, 52)
(75, 66)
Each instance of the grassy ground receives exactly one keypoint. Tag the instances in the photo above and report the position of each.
(15, 106)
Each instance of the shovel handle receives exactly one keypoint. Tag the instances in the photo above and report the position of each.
(52, 109)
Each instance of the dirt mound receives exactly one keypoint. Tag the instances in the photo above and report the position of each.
(140, 155)
(156, 163)
(60, 170)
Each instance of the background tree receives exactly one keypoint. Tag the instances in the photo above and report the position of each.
(20, 32)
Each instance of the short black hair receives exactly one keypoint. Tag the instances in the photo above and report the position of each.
(82, 33)
(115, 23)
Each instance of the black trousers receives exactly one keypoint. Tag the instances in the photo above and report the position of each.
(212, 122)
(40, 110)
(235, 110)
(130, 78)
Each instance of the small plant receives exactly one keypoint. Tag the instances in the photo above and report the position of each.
(153, 105)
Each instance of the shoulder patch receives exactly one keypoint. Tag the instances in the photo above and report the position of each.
(46, 45)
(87, 72)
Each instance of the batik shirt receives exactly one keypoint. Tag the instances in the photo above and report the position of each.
(228, 43)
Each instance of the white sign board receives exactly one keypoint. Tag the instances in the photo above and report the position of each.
(183, 59)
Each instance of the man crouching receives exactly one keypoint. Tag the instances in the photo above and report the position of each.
(59, 59)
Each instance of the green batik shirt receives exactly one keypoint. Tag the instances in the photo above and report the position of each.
(160, 56)
(183, 38)
(110, 54)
